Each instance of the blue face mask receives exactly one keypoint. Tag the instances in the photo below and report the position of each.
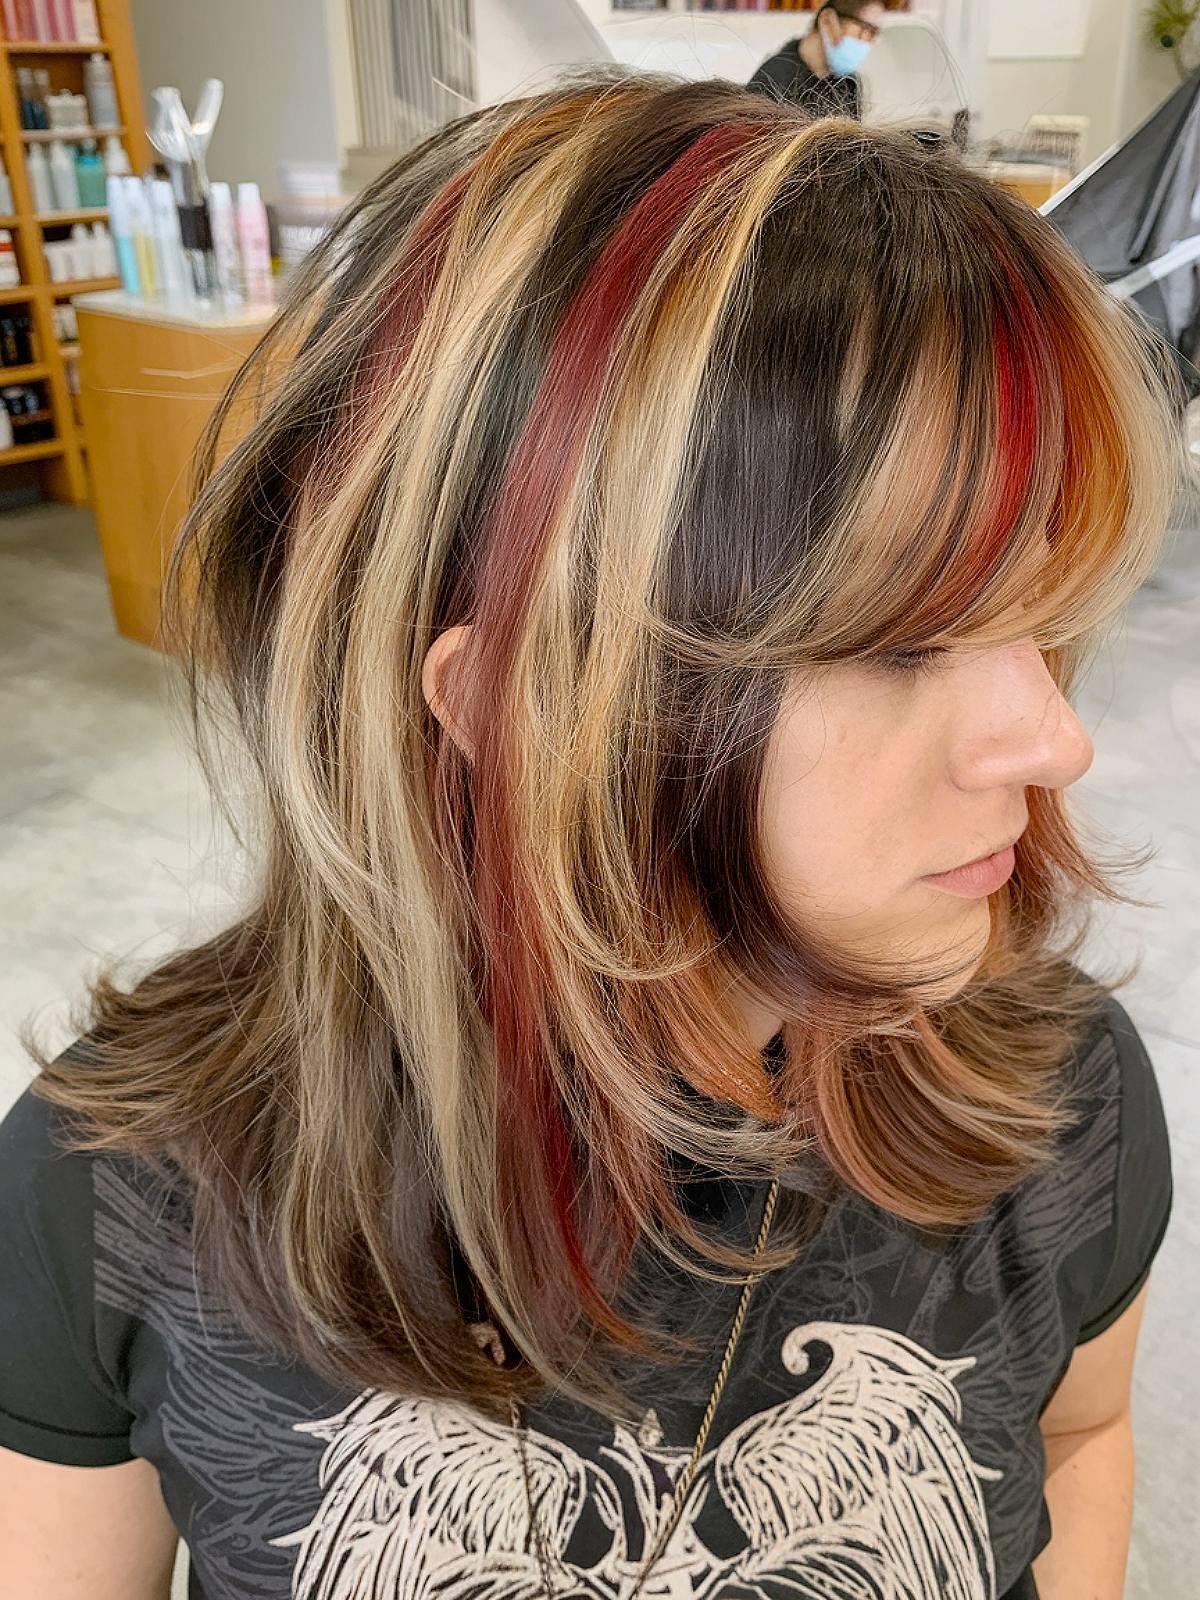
(846, 56)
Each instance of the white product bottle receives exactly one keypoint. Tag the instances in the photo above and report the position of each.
(62, 178)
(104, 254)
(6, 433)
(57, 251)
(10, 272)
(254, 241)
(116, 158)
(173, 279)
(81, 252)
(38, 170)
(87, 25)
(223, 222)
(6, 199)
(101, 91)
(60, 111)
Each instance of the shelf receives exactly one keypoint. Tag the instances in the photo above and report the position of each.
(31, 452)
(22, 374)
(64, 291)
(730, 14)
(39, 47)
(55, 219)
(39, 297)
(756, 19)
(68, 135)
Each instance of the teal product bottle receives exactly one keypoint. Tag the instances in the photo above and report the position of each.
(89, 172)
(122, 235)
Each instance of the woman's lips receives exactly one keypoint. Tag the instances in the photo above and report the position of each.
(978, 878)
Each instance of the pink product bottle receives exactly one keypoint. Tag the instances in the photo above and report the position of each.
(62, 20)
(254, 243)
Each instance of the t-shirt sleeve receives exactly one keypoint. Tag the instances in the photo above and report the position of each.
(1141, 1202)
(55, 1401)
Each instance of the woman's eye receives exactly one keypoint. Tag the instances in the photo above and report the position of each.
(903, 663)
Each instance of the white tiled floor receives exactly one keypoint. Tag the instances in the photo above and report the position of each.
(106, 848)
(105, 831)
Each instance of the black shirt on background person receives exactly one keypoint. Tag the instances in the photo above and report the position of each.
(819, 71)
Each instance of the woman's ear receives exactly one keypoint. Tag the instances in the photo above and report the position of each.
(443, 678)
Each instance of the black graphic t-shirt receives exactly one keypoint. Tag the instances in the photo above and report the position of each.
(878, 1435)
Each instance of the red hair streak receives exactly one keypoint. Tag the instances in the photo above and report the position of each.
(1016, 417)
(541, 469)
(415, 278)
(1018, 337)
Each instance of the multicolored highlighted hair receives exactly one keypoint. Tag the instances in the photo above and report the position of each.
(670, 394)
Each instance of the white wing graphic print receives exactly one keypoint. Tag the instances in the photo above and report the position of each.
(862, 1481)
(425, 1499)
(858, 1487)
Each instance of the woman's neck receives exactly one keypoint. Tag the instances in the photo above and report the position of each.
(762, 1021)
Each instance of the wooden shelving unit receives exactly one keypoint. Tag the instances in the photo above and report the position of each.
(64, 291)
(34, 47)
(30, 374)
(55, 219)
(61, 461)
(72, 135)
(44, 450)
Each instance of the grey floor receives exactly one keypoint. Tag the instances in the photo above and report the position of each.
(107, 849)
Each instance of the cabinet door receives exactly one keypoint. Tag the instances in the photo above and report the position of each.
(147, 390)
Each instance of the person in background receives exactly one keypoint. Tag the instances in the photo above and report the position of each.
(820, 71)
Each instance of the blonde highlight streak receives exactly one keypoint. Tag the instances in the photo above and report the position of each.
(872, 559)
(460, 1092)
(636, 482)
(387, 722)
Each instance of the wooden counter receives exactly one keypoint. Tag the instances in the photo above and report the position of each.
(150, 375)
(1033, 182)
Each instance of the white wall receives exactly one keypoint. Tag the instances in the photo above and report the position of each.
(1115, 82)
(520, 43)
(1088, 86)
(341, 74)
(1149, 78)
(274, 57)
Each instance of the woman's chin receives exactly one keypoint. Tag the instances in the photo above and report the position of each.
(954, 963)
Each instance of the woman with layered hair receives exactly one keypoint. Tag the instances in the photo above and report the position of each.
(646, 1134)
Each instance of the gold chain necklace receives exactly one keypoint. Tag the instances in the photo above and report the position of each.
(680, 1493)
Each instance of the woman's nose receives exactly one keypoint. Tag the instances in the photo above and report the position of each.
(1018, 729)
